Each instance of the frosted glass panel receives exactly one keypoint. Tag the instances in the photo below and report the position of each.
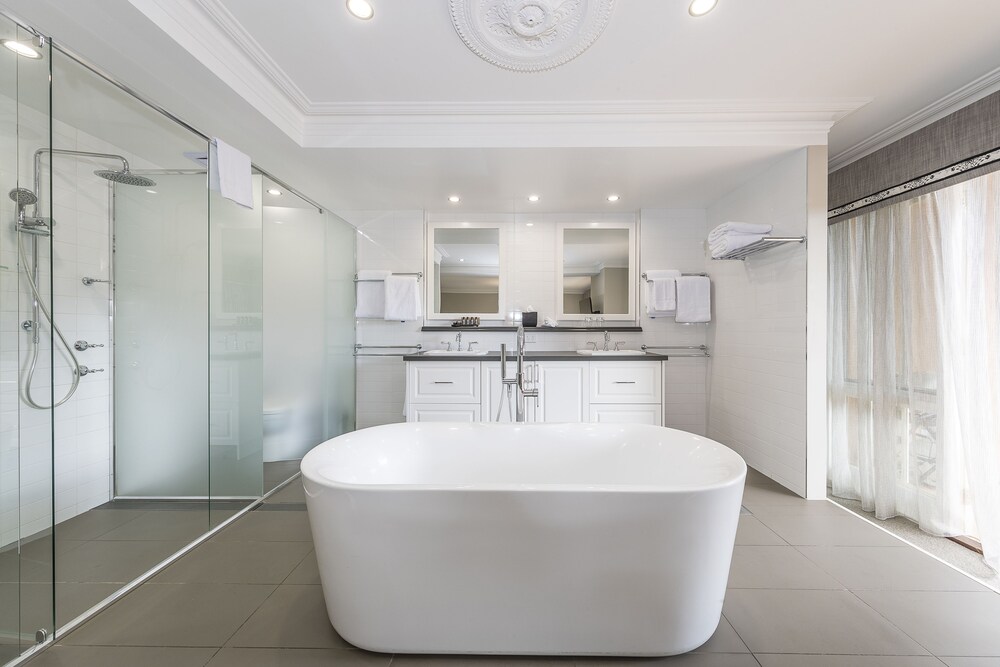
(235, 365)
(340, 399)
(161, 338)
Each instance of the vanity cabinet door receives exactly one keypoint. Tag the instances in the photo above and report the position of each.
(443, 413)
(443, 382)
(494, 392)
(626, 414)
(625, 382)
(563, 391)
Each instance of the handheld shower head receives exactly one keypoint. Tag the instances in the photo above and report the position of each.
(23, 197)
(125, 177)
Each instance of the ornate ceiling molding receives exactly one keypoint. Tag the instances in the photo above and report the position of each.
(530, 35)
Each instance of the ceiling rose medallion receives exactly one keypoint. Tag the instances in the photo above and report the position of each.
(530, 35)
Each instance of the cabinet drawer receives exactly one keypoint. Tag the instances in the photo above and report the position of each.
(443, 413)
(443, 382)
(626, 414)
(625, 382)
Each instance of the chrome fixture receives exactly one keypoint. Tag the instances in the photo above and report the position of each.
(87, 371)
(358, 347)
(468, 348)
(607, 340)
(448, 343)
(519, 381)
(90, 281)
(82, 345)
(702, 350)
(458, 342)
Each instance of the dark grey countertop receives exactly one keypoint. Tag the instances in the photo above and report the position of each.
(558, 355)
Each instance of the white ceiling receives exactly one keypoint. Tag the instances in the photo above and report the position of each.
(253, 71)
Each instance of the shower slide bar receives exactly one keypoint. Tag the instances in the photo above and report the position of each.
(701, 348)
(419, 275)
(683, 274)
(359, 346)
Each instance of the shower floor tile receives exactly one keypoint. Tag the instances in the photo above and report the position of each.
(123, 656)
(301, 657)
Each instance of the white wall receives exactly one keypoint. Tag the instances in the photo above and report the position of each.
(757, 386)
(394, 240)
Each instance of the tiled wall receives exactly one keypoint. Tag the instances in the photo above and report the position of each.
(757, 384)
(394, 240)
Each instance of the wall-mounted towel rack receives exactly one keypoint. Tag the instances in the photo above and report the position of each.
(683, 274)
(702, 349)
(359, 346)
(765, 243)
(418, 274)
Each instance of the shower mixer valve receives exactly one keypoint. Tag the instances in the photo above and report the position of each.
(87, 371)
(82, 345)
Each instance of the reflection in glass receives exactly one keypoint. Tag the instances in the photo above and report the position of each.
(467, 271)
(595, 271)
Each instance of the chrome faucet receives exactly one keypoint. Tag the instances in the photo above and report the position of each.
(518, 381)
(607, 340)
(458, 341)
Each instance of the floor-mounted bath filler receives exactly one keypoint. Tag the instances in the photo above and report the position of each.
(36, 226)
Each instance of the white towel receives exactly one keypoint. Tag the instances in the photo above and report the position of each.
(229, 173)
(402, 298)
(661, 292)
(371, 295)
(737, 228)
(694, 299)
(732, 242)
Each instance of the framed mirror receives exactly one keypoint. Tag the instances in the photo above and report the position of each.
(463, 270)
(596, 270)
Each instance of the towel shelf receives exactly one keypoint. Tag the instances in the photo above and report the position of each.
(765, 243)
(683, 274)
(359, 346)
(702, 350)
(419, 275)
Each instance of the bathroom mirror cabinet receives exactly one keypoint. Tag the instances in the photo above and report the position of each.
(596, 270)
(463, 270)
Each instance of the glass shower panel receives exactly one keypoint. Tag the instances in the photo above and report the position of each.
(236, 275)
(161, 339)
(26, 418)
(339, 401)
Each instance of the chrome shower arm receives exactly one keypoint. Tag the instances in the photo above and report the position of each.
(63, 151)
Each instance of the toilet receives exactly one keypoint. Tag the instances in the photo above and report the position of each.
(275, 425)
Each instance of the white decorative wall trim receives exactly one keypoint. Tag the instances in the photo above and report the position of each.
(976, 90)
(530, 35)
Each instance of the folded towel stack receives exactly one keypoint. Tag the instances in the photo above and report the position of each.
(661, 292)
(731, 236)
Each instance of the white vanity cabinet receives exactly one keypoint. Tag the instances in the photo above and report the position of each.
(571, 390)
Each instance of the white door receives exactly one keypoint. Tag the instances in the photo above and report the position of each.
(563, 391)
(443, 413)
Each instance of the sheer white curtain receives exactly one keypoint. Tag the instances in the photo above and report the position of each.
(914, 361)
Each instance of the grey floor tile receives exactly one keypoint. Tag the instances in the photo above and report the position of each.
(947, 623)
(725, 640)
(112, 561)
(173, 615)
(298, 657)
(776, 567)
(94, 523)
(307, 571)
(686, 660)
(971, 662)
(33, 603)
(809, 621)
(276, 472)
(293, 493)
(122, 656)
(490, 661)
(805, 509)
(162, 525)
(889, 568)
(777, 660)
(828, 530)
(759, 496)
(268, 527)
(752, 532)
(237, 563)
(756, 478)
(292, 617)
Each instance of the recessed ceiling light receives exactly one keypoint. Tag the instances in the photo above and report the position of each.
(701, 7)
(281, 222)
(461, 260)
(152, 192)
(21, 49)
(274, 191)
(529, 224)
(454, 199)
(361, 9)
(532, 197)
(613, 198)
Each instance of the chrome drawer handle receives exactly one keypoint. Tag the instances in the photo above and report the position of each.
(442, 382)
(624, 381)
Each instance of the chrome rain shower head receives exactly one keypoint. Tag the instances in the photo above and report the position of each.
(23, 196)
(125, 177)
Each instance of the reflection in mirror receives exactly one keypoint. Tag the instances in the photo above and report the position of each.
(466, 270)
(595, 271)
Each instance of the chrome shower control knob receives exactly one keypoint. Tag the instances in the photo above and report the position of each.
(87, 371)
(82, 345)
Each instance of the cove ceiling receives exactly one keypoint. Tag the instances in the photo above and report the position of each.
(305, 85)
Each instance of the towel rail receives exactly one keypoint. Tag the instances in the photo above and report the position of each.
(418, 274)
(766, 243)
(359, 346)
(701, 348)
(683, 274)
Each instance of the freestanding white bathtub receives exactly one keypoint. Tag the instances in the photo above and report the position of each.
(546, 539)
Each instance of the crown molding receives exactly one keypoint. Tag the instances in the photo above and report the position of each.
(985, 85)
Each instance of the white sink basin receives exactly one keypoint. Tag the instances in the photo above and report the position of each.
(609, 353)
(455, 353)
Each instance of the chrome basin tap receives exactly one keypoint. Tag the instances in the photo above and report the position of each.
(607, 340)
(458, 341)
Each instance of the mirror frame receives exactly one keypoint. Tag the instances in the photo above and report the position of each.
(429, 229)
(633, 267)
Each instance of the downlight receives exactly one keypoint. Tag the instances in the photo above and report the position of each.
(701, 7)
(361, 9)
(21, 49)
